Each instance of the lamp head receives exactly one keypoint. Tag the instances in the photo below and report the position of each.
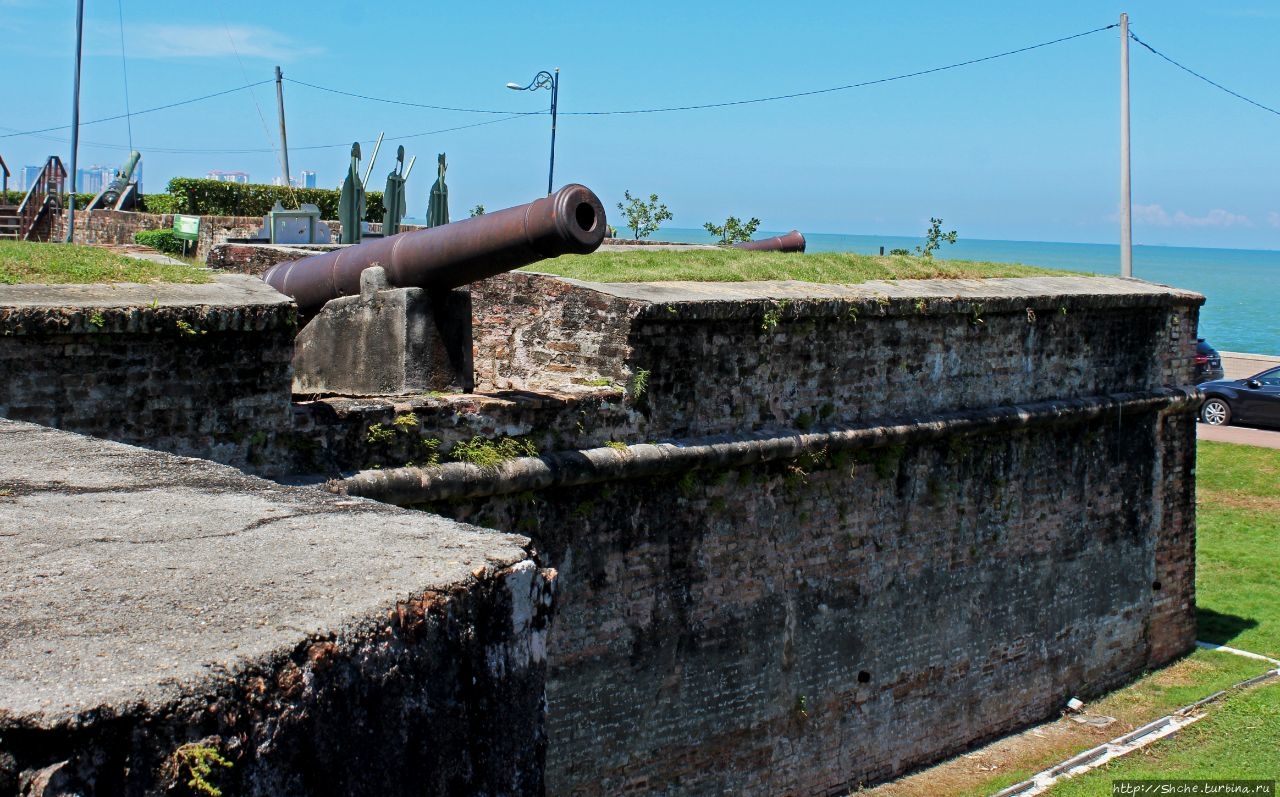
(515, 86)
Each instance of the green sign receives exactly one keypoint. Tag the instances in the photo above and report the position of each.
(187, 227)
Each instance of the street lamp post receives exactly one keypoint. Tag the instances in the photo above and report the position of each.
(546, 80)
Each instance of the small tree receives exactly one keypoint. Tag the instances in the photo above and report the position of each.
(934, 238)
(478, 210)
(643, 217)
(733, 230)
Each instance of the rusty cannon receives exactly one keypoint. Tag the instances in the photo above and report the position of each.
(392, 316)
(791, 242)
(570, 221)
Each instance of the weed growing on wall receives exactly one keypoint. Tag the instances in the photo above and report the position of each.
(773, 315)
(405, 421)
(195, 761)
(485, 453)
(639, 383)
(378, 433)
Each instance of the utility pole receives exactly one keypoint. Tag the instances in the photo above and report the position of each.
(75, 120)
(284, 140)
(1126, 208)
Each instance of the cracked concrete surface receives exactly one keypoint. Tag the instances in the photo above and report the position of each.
(133, 577)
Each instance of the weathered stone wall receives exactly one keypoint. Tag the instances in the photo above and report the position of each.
(119, 226)
(728, 358)
(889, 520)
(886, 520)
(197, 370)
(806, 625)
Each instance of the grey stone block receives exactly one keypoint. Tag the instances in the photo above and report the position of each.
(386, 341)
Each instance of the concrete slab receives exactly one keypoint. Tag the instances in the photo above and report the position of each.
(226, 291)
(131, 575)
(138, 584)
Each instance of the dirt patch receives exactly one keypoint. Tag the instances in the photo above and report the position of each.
(1232, 500)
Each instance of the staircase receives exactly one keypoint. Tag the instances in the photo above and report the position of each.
(33, 219)
(10, 226)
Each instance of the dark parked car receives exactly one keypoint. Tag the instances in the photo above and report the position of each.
(1255, 400)
(1208, 363)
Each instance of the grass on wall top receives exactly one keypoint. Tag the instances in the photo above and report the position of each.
(728, 265)
(47, 263)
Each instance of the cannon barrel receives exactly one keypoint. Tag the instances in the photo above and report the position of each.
(570, 221)
(791, 242)
(121, 181)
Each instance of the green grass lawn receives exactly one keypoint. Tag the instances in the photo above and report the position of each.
(1238, 597)
(729, 265)
(32, 262)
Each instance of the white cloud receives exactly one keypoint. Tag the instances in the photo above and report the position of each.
(1214, 218)
(1153, 215)
(1157, 216)
(163, 41)
(1273, 219)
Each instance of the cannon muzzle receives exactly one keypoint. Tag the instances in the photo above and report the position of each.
(570, 221)
(791, 242)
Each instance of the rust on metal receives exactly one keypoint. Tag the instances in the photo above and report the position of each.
(570, 221)
(791, 242)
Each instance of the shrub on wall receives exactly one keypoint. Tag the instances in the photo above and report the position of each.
(160, 203)
(215, 198)
(163, 240)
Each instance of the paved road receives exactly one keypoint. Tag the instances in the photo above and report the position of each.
(1246, 435)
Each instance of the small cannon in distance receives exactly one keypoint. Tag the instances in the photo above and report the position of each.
(791, 242)
(122, 192)
(570, 221)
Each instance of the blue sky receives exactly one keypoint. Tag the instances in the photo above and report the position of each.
(1023, 147)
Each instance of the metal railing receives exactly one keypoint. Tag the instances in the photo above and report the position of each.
(43, 195)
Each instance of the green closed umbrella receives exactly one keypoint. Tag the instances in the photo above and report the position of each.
(438, 204)
(351, 208)
(393, 206)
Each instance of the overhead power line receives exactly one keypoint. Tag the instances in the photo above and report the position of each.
(1190, 71)
(726, 103)
(138, 113)
(255, 150)
(124, 69)
(406, 102)
(515, 115)
(848, 86)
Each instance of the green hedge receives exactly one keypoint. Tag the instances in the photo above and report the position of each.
(216, 198)
(161, 203)
(16, 197)
(164, 240)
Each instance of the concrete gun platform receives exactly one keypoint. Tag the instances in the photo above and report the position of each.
(176, 600)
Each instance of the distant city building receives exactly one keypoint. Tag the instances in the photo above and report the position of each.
(229, 177)
(303, 180)
(93, 179)
(29, 176)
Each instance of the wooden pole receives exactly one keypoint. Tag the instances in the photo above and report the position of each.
(284, 140)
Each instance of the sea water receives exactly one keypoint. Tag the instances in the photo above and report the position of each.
(1241, 286)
